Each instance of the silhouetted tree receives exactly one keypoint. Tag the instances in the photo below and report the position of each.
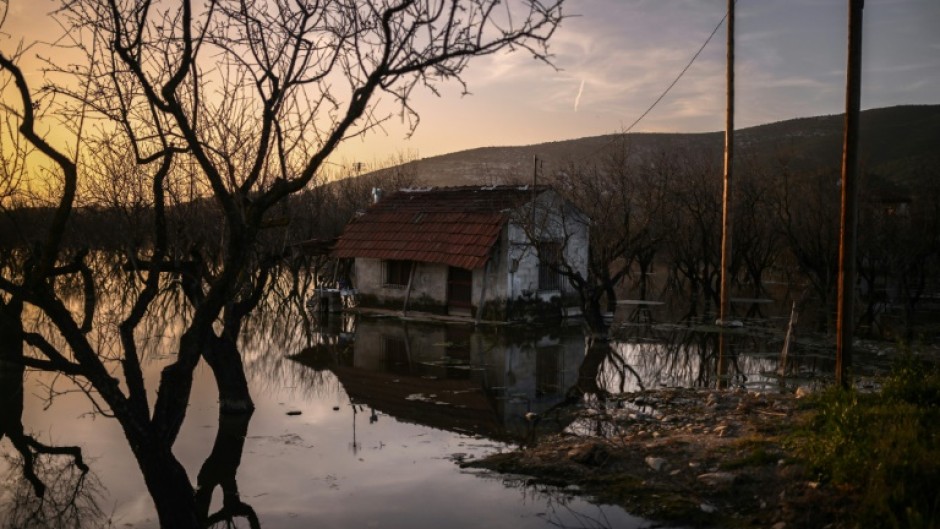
(246, 100)
(808, 215)
(694, 232)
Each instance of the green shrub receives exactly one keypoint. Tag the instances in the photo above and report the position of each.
(884, 445)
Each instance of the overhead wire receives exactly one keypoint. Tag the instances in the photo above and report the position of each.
(676, 80)
(668, 88)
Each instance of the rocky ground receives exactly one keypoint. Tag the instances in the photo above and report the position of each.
(688, 457)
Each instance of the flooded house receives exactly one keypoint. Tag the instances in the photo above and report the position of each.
(454, 377)
(493, 253)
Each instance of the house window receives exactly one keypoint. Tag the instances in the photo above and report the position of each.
(397, 273)
(549, 261)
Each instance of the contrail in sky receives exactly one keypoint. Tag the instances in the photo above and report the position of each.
(577, 99)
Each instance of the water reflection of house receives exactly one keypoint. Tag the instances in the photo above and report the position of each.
(455, 378)
(463, 250)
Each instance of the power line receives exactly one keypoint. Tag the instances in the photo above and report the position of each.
(668, 88)
(676, 80)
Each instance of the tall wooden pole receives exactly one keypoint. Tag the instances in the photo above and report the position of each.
(724, 311)
(845, 320)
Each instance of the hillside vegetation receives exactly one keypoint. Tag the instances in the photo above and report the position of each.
(897, 141)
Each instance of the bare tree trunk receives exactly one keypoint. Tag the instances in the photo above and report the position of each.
(611, 297)
(223, 357)
(11, 368)
(166, 480)
(591, 311)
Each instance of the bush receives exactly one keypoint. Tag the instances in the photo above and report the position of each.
(883, 445)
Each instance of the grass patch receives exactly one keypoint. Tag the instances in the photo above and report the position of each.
(758, 456)
(885, 446)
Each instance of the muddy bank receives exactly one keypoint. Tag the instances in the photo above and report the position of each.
(689, 457)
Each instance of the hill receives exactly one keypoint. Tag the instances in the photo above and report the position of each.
(898, 143)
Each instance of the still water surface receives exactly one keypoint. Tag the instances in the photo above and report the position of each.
(361, 426)
(363, 422)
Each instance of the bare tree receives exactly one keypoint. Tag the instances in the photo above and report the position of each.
(249, 98)
(624, 201)
(757, 238)
(899, 239)
(808, 214)
(693, 240)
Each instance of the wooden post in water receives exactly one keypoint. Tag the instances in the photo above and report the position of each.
(845, 320)
(785, 351)
(411, 278)
(724, 311)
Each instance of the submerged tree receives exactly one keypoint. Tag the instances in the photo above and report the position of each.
(619, 204)
(245, 101)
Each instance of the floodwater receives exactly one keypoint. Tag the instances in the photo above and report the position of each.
(363, 423)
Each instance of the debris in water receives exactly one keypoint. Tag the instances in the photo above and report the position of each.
(294, 412)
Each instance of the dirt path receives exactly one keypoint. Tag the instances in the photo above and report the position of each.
(690, 457)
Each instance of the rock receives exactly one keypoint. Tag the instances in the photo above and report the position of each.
(656, 463)
(706, 508)
(779, 525)
(717, 479)
(590, 454)
(711, 400)
(580, 453)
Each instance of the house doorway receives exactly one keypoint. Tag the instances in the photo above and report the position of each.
(459, 291)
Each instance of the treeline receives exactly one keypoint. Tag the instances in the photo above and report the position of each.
(662, 213)
(113, 222)
(652, 215)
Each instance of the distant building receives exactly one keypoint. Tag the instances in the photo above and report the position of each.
(463, 250)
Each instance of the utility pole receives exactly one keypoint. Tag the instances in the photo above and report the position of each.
(724, 311)
(845, 320)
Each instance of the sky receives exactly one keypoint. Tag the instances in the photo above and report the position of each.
(613, 58)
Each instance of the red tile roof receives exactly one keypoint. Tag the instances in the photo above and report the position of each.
(456, 226)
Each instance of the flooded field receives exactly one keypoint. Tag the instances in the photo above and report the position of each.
(362, 422)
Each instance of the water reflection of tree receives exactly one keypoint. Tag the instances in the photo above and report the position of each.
(70, 497)
(649, 356)
(603, 365)
(562, 508)
(283, 328)
(219, 470)
(46, 485)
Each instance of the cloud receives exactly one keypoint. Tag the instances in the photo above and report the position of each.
(622, 54)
